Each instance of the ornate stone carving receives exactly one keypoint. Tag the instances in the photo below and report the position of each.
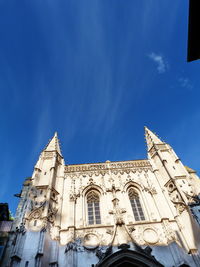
(138, 235)
(73, 196)
(109, 231)
(175, 197)
(102, 168)
(48, 155)
(169, 232)
(103, 252)
(91, 241)
(52, 213)
(150, 189)
(113, 189)
(150, 236)
(71, 246)
(180, 206)
(21, 228)
(80, 247)
(117, 212)
(75, 245)
(91, 181)
(36, 213)
(131, 229)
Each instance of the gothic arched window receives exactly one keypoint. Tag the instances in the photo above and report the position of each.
(136, 205)
(93, 208)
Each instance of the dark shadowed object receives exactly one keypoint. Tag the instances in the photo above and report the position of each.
(194, 31)
(4, 212)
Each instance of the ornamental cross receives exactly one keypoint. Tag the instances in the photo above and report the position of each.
(113, 189)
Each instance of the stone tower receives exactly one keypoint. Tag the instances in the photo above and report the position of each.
(127, 213)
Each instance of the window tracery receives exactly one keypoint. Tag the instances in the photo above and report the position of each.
(93, 207)
(136, 205)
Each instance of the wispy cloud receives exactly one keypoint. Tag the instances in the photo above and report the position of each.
(159, 60)
(185, 83)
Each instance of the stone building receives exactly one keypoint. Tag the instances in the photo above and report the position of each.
(127, 213)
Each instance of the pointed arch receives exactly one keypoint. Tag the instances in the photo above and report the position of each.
(92, 187)
(93, 207)
(132, 184)
(136, 204)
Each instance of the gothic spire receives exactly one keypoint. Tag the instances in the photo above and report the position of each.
(151, 138)
(53, 144)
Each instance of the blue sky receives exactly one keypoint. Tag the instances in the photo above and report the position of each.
(96, 71)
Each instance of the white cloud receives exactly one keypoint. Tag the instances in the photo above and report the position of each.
(159, 60)
(185, 82)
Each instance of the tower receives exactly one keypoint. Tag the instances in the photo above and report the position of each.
(39, 206)
(176, 182)
(172, 173)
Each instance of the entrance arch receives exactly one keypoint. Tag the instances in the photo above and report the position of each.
(129, 258)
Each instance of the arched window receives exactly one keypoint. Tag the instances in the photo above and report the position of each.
(93, 208)
(136, 205)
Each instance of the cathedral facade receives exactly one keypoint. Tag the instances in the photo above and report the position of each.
(127, 213)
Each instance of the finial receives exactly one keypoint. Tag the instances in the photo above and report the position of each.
(53, 144)
(151, 138)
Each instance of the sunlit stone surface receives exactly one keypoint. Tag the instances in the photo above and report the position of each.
(139, 212)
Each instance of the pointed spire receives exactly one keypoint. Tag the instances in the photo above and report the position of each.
(53, 144)
(151, 138)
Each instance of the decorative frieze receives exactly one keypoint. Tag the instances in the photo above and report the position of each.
(48, 155)
(100, 168)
